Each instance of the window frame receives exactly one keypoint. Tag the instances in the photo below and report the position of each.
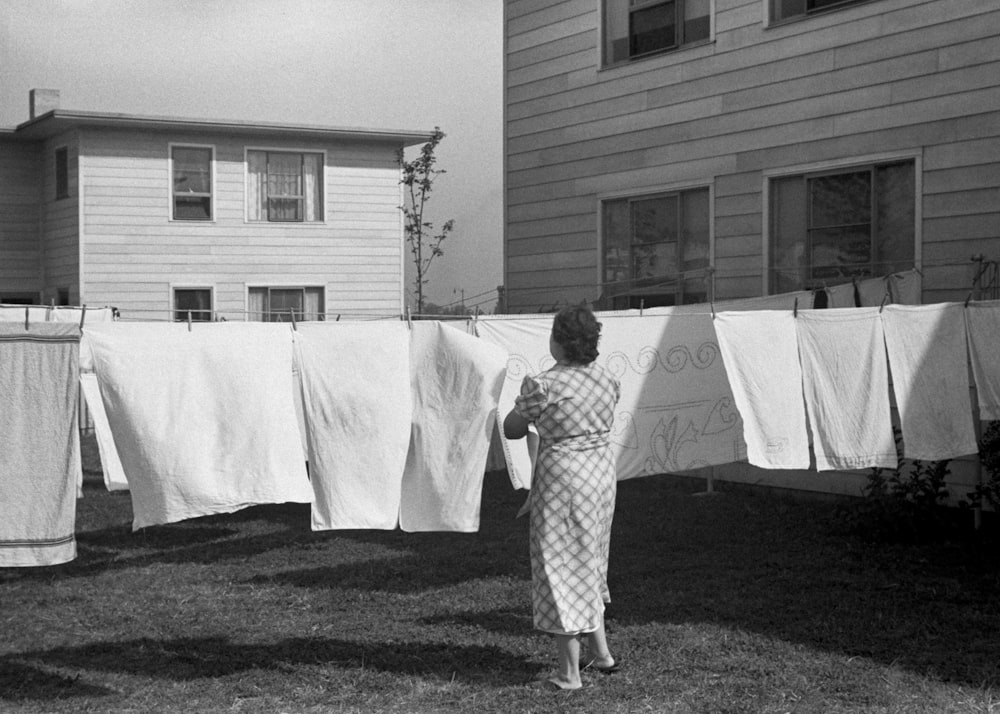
(172, 209)
(61, 172)
(608, 62)
(250, 314)
(181, 315)
(653, 193)
(834, 167)
(772, 20)
(322, 206)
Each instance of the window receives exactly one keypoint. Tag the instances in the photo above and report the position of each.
(194, 301)
(279, 304)
(829, 227)
(62, 173)
(788, 9)
(284, 187)
(656, 250)
(638, 28)
(191, 169)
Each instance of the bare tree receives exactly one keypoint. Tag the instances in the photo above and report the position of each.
(425, 245)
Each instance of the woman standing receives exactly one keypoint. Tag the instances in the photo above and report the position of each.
(572, 492)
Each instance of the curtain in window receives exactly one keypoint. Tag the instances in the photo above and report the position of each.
(257, 304)
(313, 304)
(311, 168)
(256, 185)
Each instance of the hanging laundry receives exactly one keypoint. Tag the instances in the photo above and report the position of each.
(111, 465)
(761, 356)
(983, 324)
(39, 443)
(873, 292)
(928, 358)
(676, 411)
(845, 381)
(456, 381)
(204, 419)
(905, 287)
(357, 407)
(842, 295)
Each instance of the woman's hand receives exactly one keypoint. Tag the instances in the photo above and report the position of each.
(515, 426)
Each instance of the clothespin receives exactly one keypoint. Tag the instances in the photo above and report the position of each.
(642, 306)
(712, 304)
(795, 308)
(25, 317)
(189, 320)
(338, 317)
(409, 320)
(83, 315)
(291, 310)
(968, 297)
(885, 298)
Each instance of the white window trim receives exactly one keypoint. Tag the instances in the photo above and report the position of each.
(916, 155)
(246, 197)
(649, 192)
(170, 179)
(605, 64)
(190, 286)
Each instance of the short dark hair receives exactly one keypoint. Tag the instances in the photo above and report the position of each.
(577, 331)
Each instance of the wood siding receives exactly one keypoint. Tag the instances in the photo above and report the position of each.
(20, 243)
(883, 76)
(134, 254)
(61, 223)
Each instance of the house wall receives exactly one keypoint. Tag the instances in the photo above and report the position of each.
(20, 246)
(134, 254)
(60, 223)
(884, 76)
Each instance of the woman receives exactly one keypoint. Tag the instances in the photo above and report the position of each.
(572, 492)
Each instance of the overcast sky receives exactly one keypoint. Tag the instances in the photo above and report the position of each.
(386, 64)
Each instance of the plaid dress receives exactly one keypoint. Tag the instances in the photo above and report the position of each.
(572, 494)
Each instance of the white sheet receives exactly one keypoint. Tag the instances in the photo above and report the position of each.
(928, 357)
(983, 323)
(845, 382)
(456, 381)
(111, 465)
(204, 420)
(760, 352)
(357, 408)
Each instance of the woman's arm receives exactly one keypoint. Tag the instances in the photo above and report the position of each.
(515, 426)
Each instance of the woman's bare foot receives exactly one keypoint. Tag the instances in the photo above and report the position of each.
(563, 684)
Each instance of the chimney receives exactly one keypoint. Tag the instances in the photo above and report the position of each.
(43, 101)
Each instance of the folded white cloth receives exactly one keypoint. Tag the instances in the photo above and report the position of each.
(204, 419)
(983, 323)
(111, 465)
(845, 381)
(357, 407)
(760, 352)
(39, 443)
(928, 357)
(456, 381)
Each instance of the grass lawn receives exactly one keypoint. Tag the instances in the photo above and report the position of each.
(743, 602)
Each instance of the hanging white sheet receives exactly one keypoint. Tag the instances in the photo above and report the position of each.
(111, 465)
(760, 352)
(357, 408)
(845, 381)
(928, 358)
(983, 323)
(203, 419)
(676, 410)
(39, 443)
(456, 381)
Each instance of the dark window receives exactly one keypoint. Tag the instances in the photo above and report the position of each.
(788, 9)
(62, 173)
(637, 28)
(196, 302)
(192, 183)
(830, 227)
(656, 250)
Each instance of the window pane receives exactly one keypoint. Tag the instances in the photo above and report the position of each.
(192, 170)
(788, 234)
(283, 301)
(62, 173)
(697, 20)
(192, 208)
(284, 209)
(616, 244)
(694, 245)
(615, 30)
(196, 301)
(652, 28)
(655, 220)
(783, 9)
(896, 217)
(314, 307)
(843, 199)
(840, 252)
(257, 304)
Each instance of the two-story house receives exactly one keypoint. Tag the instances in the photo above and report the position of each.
(662, 152)
(162, 217)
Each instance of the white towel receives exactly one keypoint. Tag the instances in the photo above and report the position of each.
(930, 376)
(905, 287)
(983, 322)
(761, 357)
(204, 420)
(39, 443)
(111, 465)
(841, 296)
(874, 291)
(357, 406)
(846, 386)
(456, 380)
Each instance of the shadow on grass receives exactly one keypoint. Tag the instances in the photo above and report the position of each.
(186, 659)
